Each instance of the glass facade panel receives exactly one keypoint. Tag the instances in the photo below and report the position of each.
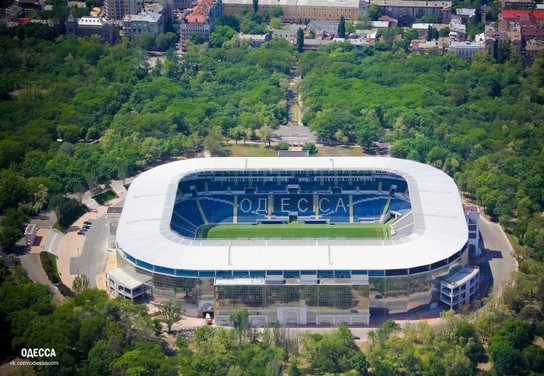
(317, 299)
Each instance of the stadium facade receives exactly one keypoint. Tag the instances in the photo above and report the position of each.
(318, 280)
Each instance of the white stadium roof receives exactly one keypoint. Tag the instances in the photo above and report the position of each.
(144, 231)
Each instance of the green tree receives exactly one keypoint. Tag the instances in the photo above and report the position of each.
(300, 40)
(360, 363)
(9, 236)
(265, 133)
(341, 31)
(196, 38)
(237, 133)
(220, 35)
(227, 20)
(214, 142)
(255, 6)
(534, 356)
(293, 368)
(171, 311)
(81, 283)
(429, 32)
(247, 134)
(507, 360)
(373, 12)
(282, 145)
(311, 148)
(240, 322)
(99, 359)
(275, 23)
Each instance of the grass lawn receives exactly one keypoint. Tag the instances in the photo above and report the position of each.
(251, 150)
(105, 196)
(515, 243)
(295, 230)
(69, 218)
(339, 151)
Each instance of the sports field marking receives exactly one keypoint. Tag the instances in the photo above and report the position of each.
(294, 230)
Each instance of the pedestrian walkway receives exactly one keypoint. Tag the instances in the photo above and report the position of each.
(111, 263)
(33, 266)
(52, 240)
(72, 243)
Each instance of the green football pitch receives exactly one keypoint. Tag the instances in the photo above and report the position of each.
(295, 230)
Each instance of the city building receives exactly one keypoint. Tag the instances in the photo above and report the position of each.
(423, 46)
(532, 47)
(461, 288)
(467, 50)
(87, 26)
(407, 11)
(112, 216)
(30, 5)
(256, 40)
(143, 23)
(199, 20)
(422, 28)
(30, 234)
(318, 281)
(182, 4)
(472, 214)
(13, 13)
(458, 30)
(126, 283)
(465, 13)
(299, 10)
(518, 4)
(514, 15)
(117, 9)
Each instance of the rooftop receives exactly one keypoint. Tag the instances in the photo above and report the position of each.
(412, 4)
(142, 17)
(507, 14)
(128, 278)
(91, 21)
(471, 45)
(461, 276)
(269, 3)
(329, 3)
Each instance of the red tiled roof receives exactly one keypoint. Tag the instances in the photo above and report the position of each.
(512, 13)
(199, 12)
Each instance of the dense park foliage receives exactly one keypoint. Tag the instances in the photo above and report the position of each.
(74, 113)
(481, 122)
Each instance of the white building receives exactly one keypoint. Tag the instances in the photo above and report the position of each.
(126, 283)
(460, 288)
(143, 23)
(472, 214)
(467, 50)
(117, 9)
(87, 26)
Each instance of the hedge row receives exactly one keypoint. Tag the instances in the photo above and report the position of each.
(50, 266)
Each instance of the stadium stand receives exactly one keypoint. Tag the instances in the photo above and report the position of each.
(308, 198)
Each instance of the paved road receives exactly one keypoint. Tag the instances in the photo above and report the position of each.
(93, 255)
(51, 243)
(499, 253)
(33, 265)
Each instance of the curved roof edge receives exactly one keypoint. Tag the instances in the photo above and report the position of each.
(440, 227)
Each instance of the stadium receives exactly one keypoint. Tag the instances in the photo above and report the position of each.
(317, 241)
